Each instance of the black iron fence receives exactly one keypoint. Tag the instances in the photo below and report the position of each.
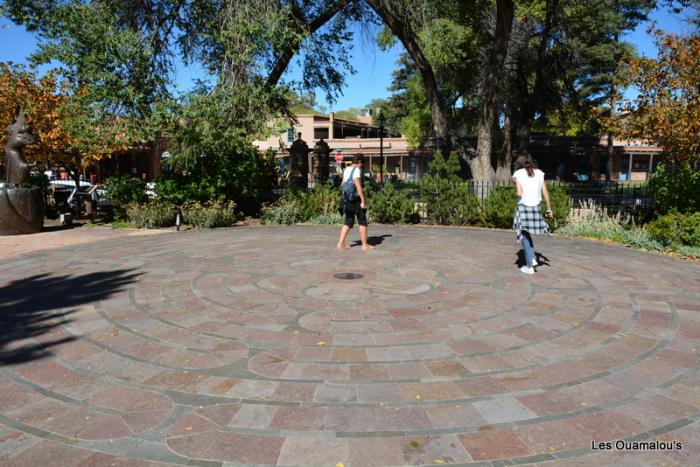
(633, 198)
(629, 198)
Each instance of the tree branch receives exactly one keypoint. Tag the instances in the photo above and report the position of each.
(283, 60)
(402, 30)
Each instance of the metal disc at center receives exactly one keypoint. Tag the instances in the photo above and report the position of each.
(347, 275)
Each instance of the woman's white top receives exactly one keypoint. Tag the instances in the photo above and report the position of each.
(532, 186)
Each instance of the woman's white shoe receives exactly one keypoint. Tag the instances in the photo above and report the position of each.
(527, 270)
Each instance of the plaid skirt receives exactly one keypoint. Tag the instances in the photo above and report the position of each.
(529, 219)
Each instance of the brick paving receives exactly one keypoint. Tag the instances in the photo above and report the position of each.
(239, 347)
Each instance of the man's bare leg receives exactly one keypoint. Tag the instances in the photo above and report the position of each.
(343, 237)
(363, 238)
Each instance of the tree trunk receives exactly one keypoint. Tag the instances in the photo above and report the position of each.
(481, 164)
(532, 101)
(408, 38)
(505, 157)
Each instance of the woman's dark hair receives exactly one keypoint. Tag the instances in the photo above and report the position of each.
(357, 158)
(525, 162)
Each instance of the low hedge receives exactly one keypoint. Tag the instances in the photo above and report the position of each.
(676, 228)
(210, 214)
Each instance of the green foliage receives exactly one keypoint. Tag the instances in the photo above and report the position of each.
(389, 205)
(317, 206)
(176, 188)
(124, 190)
(688, 251)
(323, 200)
(151, 215)
(281, 213)
(676, 187)
(561, 206)
(499, 207)
(593, 221)
(448, 199)
(38, 180)
(676, 228)
(327, 219)
(212, 157)
(211, 214)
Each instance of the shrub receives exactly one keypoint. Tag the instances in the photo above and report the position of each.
(38, 180)
(688, 251)
(323, 199)
(211, 145)
(448, 199)
(498, 209)
(152, 215)
(561, 206)
(591, 220)
(209, 215)
(327, 219)
(123, 191)
(389, 205)
(676, 228)
(285, 213)
(179, 189)
(676, 187)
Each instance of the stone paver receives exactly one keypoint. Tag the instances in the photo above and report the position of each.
(239, 347)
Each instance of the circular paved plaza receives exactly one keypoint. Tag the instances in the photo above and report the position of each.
(239, 346)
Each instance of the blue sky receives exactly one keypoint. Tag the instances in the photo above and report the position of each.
(374, 67)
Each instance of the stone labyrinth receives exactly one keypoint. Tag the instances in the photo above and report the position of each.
(239, 346)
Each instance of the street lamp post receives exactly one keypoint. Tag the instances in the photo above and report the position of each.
(382, 121)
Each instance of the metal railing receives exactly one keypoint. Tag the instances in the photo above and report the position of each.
(628, 198)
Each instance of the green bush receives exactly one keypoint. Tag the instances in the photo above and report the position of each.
(213, 155)
(688, 251)
(561, 206)
(152, 215)
(124, 191)
(284, 213)
(209, 215)
(323, 199)
(676, 228)
(389, 205)
(447, 198)
(179, 189)
(38, 180)
(327, 219)
(591, 220)
(498, 209)
(676, 188)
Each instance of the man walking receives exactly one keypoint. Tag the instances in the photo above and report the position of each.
(354, 204)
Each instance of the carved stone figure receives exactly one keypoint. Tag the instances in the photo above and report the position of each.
(299, 167)
(321, 161)
(21, 208)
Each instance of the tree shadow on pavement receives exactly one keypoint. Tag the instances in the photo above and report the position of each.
(36, 305)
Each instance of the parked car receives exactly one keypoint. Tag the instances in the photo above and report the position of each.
(69, 197)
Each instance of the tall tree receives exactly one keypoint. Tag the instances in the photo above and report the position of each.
(667, 109)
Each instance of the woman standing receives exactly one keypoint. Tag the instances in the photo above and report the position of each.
(528, 221)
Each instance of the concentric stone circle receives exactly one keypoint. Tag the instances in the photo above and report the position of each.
(240, 346)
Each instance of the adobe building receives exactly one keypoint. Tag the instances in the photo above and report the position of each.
(347, 138)
(565, 158)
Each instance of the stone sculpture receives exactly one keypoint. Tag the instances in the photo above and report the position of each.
(321, 161)
(299, 167)
(21, 208)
